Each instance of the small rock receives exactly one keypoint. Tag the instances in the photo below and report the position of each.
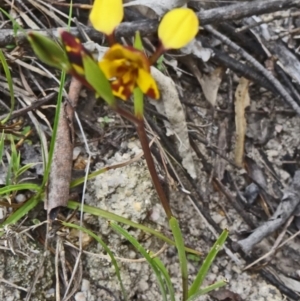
(85, 285)
(20, 198)
(80, 297)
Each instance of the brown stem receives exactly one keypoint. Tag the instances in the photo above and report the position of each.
(158, 52)
(139, 124)
(111, 39)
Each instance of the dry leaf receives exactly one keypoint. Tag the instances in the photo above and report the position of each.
(170, 106)
(195, 47)
(210, 85)
(242, 100)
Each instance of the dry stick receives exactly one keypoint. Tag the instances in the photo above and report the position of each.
(35, 105)
(269, 19)
(285, 209)
(273, 279)
(241, 10)
(148, 27)
(61, 166)
(274, 248)
(280, 89)
(241, 69)
(57, 286)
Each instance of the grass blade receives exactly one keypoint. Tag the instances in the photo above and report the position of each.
(114, 217)
(181, 254)
(47, 163)
(145, 254)
(208, 262)
(166, 275)
(10, 86)
(23, 186)
(19, 213)
(105, 247)
(207, 289)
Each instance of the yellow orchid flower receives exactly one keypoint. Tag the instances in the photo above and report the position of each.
(128, 67)
(177, 28)
(106, 15)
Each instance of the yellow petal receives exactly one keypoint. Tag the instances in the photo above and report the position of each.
(178, 27)
(113, 68)
(132, 55)
(147, 84)
(106, 15)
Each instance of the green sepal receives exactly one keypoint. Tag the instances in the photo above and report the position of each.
(138, 97)
(96, 78)
(138, 100)
(48, 51)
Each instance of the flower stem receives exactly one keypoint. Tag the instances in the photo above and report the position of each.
(111, 39)
(139, 124)
(155, 56)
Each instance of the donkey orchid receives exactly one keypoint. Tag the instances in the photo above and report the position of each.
(124, 66)
(128, 67)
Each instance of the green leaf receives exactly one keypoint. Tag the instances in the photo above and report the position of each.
(10, 47)
(24, 186)
(47, 163)
(16, 25)
(10, 85)
(166, 275)
(111, 216)
(24, 169)
(138, 44)
(160, 63)
(1, 145)
(105, 247)
(179, 243)
(207, 289)
(145, 254)
(19, 213)
(208, 262)
(138, 97)
(48, 51)
(96, 78)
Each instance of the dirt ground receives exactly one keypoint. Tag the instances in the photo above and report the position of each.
(225, 140)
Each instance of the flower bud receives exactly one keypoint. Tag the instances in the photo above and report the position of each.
(48, 51)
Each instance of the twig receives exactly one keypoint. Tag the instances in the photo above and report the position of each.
(35, 105)
(278, 283)
(285, 209)
(13, 285)
(282, 15)
(241, 10)
(275, 247)
(238, 67)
